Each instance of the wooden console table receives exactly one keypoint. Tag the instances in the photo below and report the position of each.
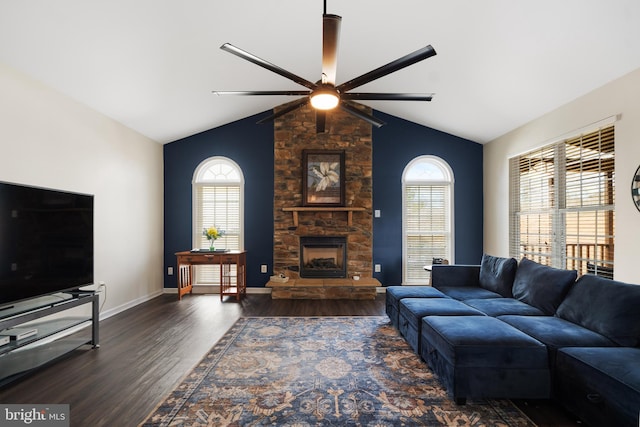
(228, 286)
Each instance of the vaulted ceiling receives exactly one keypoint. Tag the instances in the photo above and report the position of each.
(153, 64)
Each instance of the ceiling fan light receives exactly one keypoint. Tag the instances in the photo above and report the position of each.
(324, 100)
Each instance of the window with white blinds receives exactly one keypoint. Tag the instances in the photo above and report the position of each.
(562, 203)
(427, 216)
(218, 186)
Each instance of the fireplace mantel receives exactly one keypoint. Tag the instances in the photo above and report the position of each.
(348, 210)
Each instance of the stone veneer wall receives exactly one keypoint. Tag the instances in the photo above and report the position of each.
(294, 132)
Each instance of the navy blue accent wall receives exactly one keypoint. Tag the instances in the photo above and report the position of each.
(251, 147)
(394, 146)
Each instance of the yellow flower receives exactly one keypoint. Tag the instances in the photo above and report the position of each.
(211, 233)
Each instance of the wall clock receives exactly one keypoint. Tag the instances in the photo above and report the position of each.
(635, 189)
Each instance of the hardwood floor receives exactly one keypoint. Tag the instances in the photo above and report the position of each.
(146, 350)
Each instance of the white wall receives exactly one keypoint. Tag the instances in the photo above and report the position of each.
(621, 97)
(49, 140)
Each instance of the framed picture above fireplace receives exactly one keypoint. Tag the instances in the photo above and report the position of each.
(323, 178)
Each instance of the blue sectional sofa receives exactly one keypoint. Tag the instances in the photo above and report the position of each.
(587, 327)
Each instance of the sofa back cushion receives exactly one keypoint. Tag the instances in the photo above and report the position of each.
(497, 274)
(606, 306)
(542, 286)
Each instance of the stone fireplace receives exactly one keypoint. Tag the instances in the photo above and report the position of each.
(294, 132)
(323, 257)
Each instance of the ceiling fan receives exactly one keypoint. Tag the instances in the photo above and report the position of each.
(325, 95)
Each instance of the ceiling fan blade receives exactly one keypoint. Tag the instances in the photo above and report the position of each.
(321, 120)
(300, 103)
(228, 47)
(330, 40)
(365, 96)
(263, 92)
(361, 114)
(398, 64)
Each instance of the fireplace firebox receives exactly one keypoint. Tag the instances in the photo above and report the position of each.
(323, 257)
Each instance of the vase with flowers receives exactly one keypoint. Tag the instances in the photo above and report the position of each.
(212, 234)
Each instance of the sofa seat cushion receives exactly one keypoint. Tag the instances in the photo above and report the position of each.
(600, 385)
(542, 286)
(480, 356)
(556, 333)
(462, 293)
(618, 308)
(395, 293)
(412, 310)
(502, 306)
(497, 274)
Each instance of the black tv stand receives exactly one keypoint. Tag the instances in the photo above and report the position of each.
(56, 335)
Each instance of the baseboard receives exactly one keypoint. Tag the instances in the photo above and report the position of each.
(113, 311)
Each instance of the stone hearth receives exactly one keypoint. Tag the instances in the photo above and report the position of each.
(325, 289)
(294, 132)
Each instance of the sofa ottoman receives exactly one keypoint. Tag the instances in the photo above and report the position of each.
(482, 357)
(412, 310)
(395, 293)
(600, 385)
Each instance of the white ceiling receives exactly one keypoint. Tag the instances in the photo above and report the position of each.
(152, 64)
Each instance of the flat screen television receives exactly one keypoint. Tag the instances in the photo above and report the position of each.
(46, 241)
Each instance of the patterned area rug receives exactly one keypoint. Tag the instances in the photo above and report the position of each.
(322, 371)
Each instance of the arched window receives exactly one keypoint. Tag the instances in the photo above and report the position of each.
(218, 201)
(427, 213)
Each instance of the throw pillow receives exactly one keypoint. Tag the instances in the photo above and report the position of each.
(497, 274)
(542, 286)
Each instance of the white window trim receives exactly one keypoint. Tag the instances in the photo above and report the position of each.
(196, 183)
(451, 183)
(558, 257)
